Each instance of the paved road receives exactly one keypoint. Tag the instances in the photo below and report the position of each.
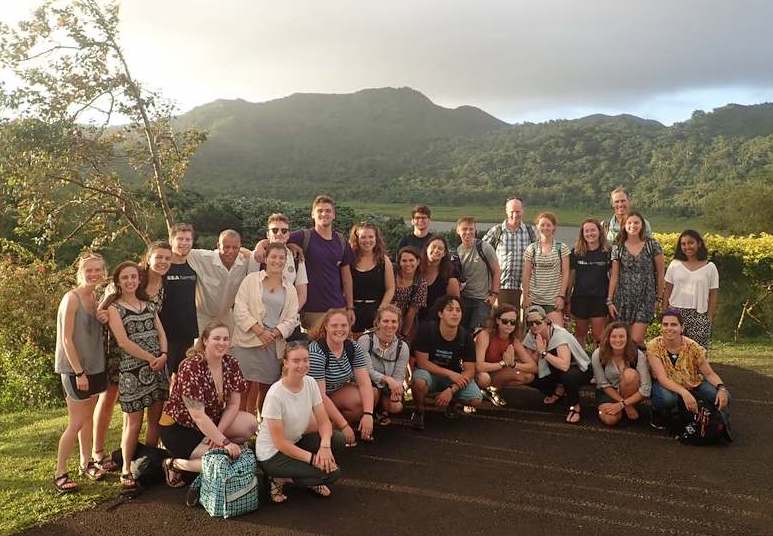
(516, 470)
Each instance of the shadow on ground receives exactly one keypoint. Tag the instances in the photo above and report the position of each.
(515, 470)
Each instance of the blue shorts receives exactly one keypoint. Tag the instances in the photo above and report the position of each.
(437, 383)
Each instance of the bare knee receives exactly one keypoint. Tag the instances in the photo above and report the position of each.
(483, 379)
(395, 407)
(609, 420)
(475, 402)
(420, 386)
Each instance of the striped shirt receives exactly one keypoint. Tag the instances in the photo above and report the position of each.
(338, 371)
(545, 282)
(510, 249)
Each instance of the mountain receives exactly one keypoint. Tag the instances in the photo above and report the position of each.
(395, 145)
(317, 136)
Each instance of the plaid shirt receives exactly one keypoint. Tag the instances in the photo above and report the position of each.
(510, 249)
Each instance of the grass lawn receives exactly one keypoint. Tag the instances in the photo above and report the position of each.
(566, 216)
(28, 442)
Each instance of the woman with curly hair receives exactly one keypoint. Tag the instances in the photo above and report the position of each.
(410, 289)
(439, 273)
(373, 280)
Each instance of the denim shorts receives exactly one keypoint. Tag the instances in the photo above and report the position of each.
(437, 383)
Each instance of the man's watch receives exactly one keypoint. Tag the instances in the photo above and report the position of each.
(79, 374)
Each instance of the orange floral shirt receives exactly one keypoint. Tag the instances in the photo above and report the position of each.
(686, 371)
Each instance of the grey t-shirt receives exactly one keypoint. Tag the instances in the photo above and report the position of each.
(474, 271)
(87, 336)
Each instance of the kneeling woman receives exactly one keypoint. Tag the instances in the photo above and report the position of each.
(562, 364)
(203, 408)
(296, 442)
(500, 358)
(622, 375)
(340, 367)
(388, 361)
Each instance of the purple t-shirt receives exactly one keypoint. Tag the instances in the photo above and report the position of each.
(324, 259)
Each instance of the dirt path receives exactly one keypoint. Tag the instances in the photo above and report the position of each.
(517, 470)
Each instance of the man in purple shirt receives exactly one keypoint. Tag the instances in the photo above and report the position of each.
(328, 258)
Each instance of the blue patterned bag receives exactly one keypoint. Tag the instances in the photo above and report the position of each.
(228, 488)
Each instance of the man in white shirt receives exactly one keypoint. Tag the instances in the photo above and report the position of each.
(220, 272)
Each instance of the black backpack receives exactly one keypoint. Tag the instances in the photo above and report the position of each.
(706, 427)
(348, 350)
(146, 466)
(498, 235)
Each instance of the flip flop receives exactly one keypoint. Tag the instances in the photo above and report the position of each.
(572, 412)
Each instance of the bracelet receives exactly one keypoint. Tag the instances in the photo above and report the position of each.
(721, 387)
(311, 459)
(79, 374)
(609, 301)
(349, 308)
(494, 292)
(369, 413)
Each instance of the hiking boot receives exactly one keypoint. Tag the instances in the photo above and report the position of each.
(417, 420)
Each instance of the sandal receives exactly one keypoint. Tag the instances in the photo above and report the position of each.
(64, 484)
(321, 490)
(91, 471)
(128, 483)
(174, 478)
(105, 463)
(555, 397)
(277, 492)
(383, 419)
(570, 417)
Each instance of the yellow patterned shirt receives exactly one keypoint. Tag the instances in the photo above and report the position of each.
(686, 372)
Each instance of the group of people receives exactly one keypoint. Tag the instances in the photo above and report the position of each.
(322, 335)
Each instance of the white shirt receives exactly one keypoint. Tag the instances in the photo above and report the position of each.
(293, 409)
(691, 288)
(216, 286)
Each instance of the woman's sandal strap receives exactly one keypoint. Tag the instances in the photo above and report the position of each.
(64, 484)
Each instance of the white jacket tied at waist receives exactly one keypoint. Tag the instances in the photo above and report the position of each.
(249, 310)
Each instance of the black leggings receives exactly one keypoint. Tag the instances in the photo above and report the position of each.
(572, 380)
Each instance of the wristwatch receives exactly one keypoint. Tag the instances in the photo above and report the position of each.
(79, 374)
(543, 354)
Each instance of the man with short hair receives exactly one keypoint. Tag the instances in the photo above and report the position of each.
(278, 230)
(480, 273)
(445, 363)
(420, 219)
(178, 313)
(220, 273)
(328, 258)
(510, 240)
(621, 203)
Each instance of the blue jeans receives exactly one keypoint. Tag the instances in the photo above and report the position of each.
(666, 401)
(476, 312)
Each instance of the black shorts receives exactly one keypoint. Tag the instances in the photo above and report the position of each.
(97, 384)
(589, 307)
(603, 398)
(180, 440)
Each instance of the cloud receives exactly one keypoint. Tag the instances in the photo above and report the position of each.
(516, 58)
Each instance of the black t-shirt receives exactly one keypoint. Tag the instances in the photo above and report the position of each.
(415, 241)
(591, 273)
(178, 316)
(446, 354)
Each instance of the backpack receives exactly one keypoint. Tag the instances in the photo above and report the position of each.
(230, 488)
(706, 427)
(146, 466)
(348, 350)
(498, 230)
(556, 247)
(307, 239)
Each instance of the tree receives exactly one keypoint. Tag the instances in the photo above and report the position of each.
(741, 209)
(65, 168)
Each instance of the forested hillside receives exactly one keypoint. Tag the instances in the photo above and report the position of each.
(395, 145)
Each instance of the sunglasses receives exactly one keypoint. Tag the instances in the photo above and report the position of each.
(277, 230)
(533, 322)
(505, 321)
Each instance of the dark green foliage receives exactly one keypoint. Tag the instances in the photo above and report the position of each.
(394, 145)
(742, 208)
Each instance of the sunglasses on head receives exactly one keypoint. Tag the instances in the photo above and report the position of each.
(533, 322)
(277, 230)
(511, 321)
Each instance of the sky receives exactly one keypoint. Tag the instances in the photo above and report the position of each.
(518, 60)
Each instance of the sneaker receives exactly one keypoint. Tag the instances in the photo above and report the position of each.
(192, 497)
(417, 420)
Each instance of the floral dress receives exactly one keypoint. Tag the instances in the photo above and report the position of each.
(636, 294)
(138, 385)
